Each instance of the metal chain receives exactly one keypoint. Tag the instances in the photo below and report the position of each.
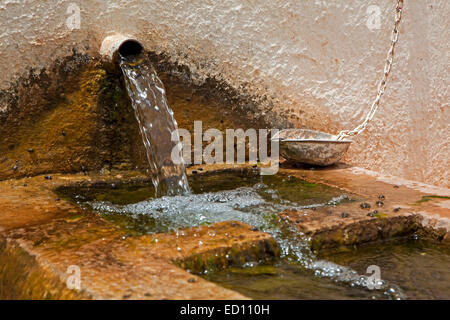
(382, 84)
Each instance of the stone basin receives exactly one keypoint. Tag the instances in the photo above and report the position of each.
(41, 236)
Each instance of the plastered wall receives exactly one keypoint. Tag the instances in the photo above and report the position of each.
(315, 64)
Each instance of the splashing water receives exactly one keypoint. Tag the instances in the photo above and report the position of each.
(157, 125)
(257, 206)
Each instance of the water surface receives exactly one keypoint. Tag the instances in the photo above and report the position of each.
(408, 270)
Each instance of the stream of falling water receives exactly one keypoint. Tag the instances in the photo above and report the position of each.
(156, 123)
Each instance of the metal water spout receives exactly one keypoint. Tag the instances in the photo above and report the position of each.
(117, 44)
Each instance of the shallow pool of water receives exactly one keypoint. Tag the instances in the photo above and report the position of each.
(287, 281)
(244, 195)
(408, 270)
(419, 270)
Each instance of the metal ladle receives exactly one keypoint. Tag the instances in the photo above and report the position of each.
(324, 149)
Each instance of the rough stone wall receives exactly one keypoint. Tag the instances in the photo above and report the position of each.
(313, 63)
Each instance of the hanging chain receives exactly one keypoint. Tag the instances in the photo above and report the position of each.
(382, 85)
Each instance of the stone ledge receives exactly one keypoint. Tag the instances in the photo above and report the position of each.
(351, 231)
(113, 266)
(406, 208)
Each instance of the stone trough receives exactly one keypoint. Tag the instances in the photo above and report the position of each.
(42, 236)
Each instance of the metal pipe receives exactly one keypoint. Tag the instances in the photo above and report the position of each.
(115, 45)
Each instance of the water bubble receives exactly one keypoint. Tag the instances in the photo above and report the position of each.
(260, 186)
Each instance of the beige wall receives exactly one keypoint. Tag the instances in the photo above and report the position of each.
(317, 62)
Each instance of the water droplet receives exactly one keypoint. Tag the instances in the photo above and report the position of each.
(365, 205)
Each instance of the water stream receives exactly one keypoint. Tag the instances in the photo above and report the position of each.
(156, 123)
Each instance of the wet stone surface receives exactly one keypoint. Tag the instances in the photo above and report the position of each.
(127, 263)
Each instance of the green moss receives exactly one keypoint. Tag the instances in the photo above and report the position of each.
(428, 198)
(310, 184)
(255, 250)
(316, 244)
(212, 264)
(74, 218)
(381, 215)
(255, 271)
(405, 229)
(197, 263)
